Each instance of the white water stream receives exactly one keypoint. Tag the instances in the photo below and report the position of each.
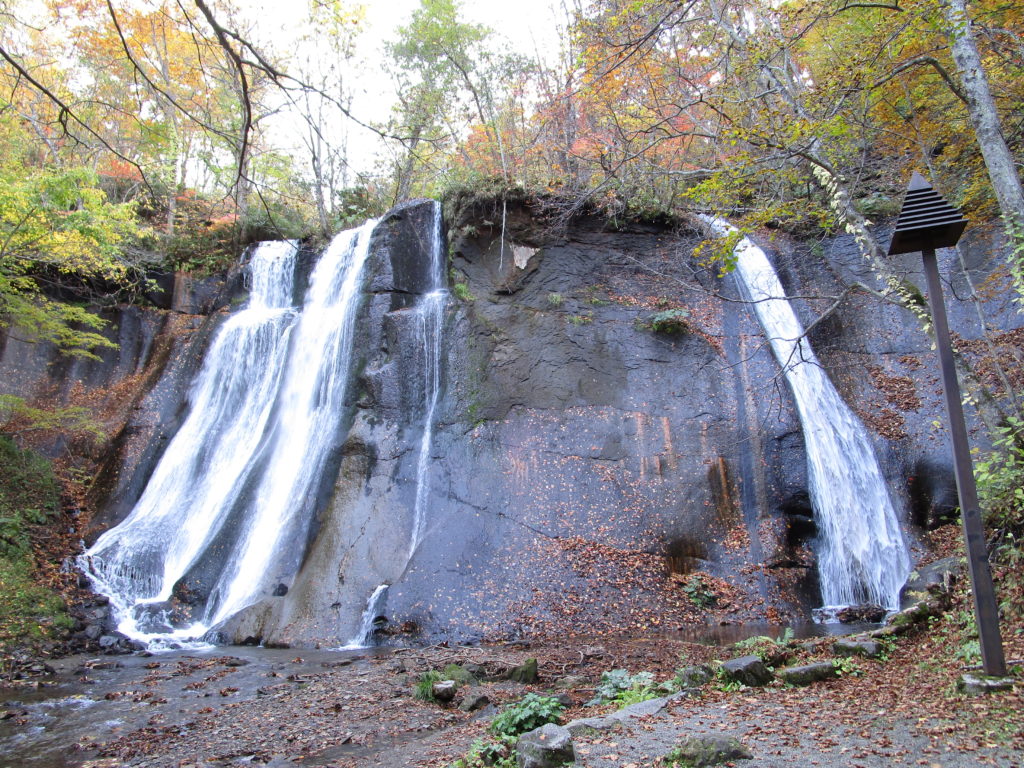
(262, 420)
(862, 557)
(429, 323)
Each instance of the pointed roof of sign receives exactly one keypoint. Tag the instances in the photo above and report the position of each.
(926, 221)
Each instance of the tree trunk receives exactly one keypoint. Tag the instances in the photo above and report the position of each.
(1002, 170)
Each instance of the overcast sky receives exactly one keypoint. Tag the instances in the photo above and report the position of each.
(530, 26)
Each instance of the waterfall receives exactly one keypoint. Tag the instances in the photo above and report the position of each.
(862, 557)
(199, 476)
(429, 324)
(374, 610)
(304, 431)
(238, 481)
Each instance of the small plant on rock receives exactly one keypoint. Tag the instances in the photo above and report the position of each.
(531, 712)
(670, 321)
(699, 592)
(462, 292)
(489, 754)
(620, 686)
(847, 667)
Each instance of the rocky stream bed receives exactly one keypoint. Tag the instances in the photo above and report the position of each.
(254, 706)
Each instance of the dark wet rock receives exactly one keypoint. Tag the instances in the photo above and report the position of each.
(930, 581)
(706, 751)
(525, 673)
(806, 674)
(234, 661)
(694, 677)
(748, 670)
(474, 700)
(856, 614)
(549, 746)
(93, 631)
(932, 491)
(553, 393)
(444, 690)
(977, 684)
(848, 646)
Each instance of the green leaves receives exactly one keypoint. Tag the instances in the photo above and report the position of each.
(57, 224)
(531, 712)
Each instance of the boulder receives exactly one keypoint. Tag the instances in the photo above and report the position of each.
(546, 747)
(571, 681)
(748, 670)
(474, 700)
(915, 615)
(590, 726)
(806, 674)
(855, 614)
(444, 690)
(974, 684)
(694, 677)
(930, 580)
(525, 673)
(848, 646)
(703, 751)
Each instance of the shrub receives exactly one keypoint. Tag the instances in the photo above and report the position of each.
(424, 689)
(1000, 477)
(699, 592)
(669, 321)
(525, 715)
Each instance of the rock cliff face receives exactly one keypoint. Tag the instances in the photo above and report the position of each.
(584, 465)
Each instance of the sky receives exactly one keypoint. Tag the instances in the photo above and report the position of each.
(530, 26)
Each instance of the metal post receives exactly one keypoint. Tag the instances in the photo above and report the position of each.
(985, 608)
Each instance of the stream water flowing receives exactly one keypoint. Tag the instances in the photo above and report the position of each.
(862, 556)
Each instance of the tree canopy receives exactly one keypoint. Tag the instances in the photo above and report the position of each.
(156, 119)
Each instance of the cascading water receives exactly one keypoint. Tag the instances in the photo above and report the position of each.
(862, 557)
(429, 323)
(262, 420)
(304, 431)
(368, 623)
(200, 474)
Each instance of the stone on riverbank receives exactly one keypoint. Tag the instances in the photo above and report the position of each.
(546, 747)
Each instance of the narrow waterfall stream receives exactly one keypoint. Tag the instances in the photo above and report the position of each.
(429, 323)
(862, 557)
(237, 484)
